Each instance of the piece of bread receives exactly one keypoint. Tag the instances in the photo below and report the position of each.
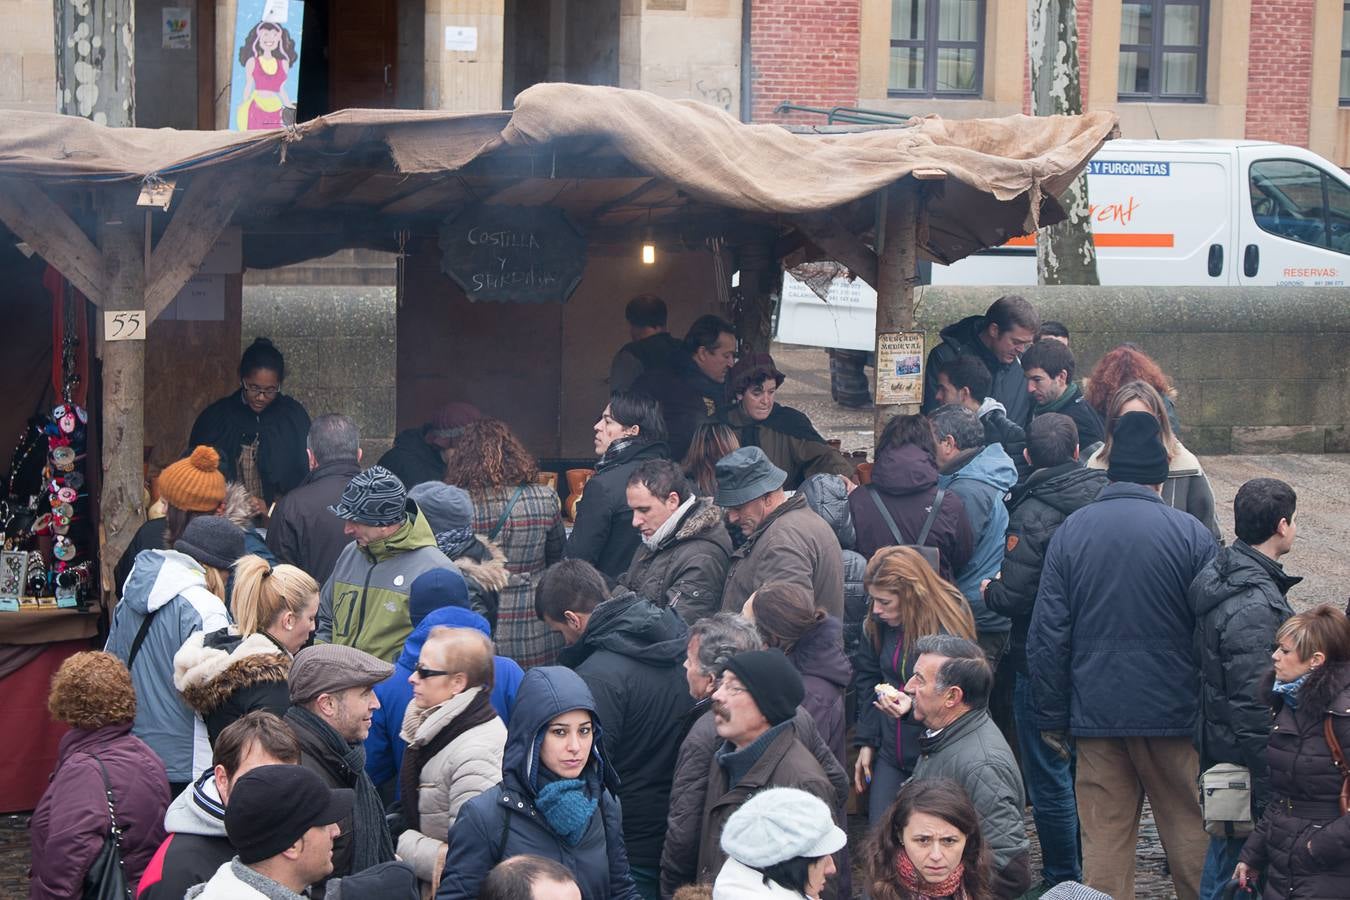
(890, 692)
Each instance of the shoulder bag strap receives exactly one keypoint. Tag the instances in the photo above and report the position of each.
(506, 513)
(136, 646)
(1339, 756)
(112, 812)
(932, 516)
(886, 515)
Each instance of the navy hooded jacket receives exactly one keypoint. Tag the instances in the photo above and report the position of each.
(1110, 650)
(503, 821)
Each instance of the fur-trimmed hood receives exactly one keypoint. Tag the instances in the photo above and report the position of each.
(209, 669)
(700, 522)
(485, 563)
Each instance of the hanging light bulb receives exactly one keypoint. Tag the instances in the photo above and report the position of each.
(648, 252)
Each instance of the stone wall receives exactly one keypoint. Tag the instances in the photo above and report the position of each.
(27, 56)
(1256, 369)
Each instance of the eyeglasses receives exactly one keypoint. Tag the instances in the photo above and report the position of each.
(260, 391)
(424, 673)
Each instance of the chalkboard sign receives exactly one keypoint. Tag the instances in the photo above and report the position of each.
(513, 254)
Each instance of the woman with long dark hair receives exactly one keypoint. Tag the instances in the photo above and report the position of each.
(786, 617)
(629, 431)
(521, 517)
(258, 431)
(711, 442)
(928, 846)
(909, 601)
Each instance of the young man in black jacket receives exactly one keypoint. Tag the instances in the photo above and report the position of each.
(1240, 604)
(631, 654)
(1058, 486)
(1049, 367)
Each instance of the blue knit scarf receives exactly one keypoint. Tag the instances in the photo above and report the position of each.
(567, 805)
(1289, 690)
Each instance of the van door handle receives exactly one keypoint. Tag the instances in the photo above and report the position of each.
(1215, 260)
(1251, 260)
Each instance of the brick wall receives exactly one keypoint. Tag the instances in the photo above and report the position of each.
(1279, 71)
(805, 51)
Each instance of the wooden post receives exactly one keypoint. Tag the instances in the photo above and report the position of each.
(754, 314)
(120, 230)
(897, 258)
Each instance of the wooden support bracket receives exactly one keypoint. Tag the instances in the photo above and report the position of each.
(211, 199)
(44, 226)
(827, 233)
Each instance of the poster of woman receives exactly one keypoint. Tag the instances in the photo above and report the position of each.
(266, 79)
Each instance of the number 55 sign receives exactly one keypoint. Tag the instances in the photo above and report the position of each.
(124, 325)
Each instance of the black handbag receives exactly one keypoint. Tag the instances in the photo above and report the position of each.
(107, 877)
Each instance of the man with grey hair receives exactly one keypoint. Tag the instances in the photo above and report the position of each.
(950, 692)
(302, 531)
(981, 475)
(712, 643)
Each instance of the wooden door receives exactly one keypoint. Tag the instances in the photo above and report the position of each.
(362, 54)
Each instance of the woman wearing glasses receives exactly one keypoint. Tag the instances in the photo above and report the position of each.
(258, 431)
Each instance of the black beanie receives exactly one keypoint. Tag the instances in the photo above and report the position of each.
(1137, 452)
(772, 680)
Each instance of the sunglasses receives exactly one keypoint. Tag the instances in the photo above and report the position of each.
(424, 673)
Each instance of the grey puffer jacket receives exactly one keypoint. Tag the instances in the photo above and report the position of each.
(972, 752)
(828, 496)
(1239, 599)
(687, 569)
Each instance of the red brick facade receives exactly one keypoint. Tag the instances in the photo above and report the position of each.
(805, 51)
(1279, 71)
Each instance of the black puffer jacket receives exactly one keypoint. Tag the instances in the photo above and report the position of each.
(687, 570)
(631, 656)
(412, 459)
(1302, 843)
(604, 535)
(1239, 605)
(1038, 507)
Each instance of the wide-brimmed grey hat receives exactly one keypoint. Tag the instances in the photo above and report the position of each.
(744, 475)
(373, 497)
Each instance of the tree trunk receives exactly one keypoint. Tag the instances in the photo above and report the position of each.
(897, 261)
(1065, 253)
(95, 50)
(753, 315)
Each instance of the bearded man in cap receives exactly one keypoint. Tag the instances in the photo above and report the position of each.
(282, 821)
(333, 697)
(364, 603)
(785, 540)
(1112, 662)
(753, 708)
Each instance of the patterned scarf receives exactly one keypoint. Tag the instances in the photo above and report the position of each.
(918, 889)
(1289, 690)
(611, 454)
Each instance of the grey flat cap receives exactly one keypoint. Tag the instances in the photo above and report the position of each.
(329, 668)
(744, 475)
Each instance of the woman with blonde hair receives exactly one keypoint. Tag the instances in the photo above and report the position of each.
(99, 764)
(229, 673)
(1186, 488)
(521, 517)
(909, 601)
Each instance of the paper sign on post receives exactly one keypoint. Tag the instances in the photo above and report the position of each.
(461, 39)
(900, 367)
(124, 324)
(176, 28)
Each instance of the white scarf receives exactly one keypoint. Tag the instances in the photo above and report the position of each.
(669, 526)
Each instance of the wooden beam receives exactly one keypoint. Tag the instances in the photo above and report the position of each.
(201, 216)
(45, 227)
(826, 232)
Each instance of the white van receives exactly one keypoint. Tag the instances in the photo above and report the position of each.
(1202, 212)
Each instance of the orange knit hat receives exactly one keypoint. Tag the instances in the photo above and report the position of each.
(194, 484)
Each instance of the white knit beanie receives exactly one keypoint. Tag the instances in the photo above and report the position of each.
(780, 824)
